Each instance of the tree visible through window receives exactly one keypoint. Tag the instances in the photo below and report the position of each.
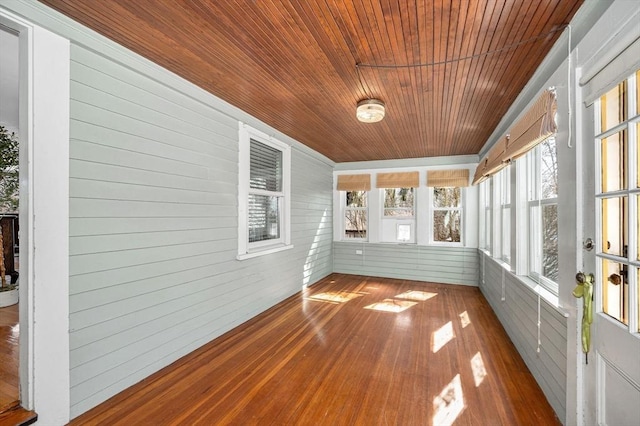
(355, 214)
(549, 172)
(398, 202)
(447, 213)
(543, 212)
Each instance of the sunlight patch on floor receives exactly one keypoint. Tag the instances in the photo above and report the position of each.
(477, 366)
(391, 305)
(416, 295)
(449, 404)
(403, 321)
(334, 296)
(442, 336)
(464, 319)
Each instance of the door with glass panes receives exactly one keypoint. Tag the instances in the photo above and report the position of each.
(611, 206)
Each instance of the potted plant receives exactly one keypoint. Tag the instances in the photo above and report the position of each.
(9, 183)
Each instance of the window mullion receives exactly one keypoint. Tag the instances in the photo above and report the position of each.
(521, 220)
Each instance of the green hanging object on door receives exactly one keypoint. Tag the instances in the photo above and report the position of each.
(584, 290)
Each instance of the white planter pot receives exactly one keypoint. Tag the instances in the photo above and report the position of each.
(8, 298)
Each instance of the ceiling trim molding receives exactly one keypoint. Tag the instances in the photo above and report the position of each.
(409, 163)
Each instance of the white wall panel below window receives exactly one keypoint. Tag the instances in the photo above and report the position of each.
(440, 264)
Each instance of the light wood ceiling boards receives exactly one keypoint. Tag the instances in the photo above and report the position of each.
(292, 64)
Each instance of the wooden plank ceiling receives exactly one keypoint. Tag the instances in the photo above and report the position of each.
(292, 64)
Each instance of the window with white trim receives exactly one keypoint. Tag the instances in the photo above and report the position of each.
(356, 213)
(542, 192)
(264, 194)
(446, 216)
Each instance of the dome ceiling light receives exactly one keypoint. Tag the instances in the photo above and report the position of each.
(370, 110)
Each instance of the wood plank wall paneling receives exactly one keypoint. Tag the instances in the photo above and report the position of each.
(518, 314)
(453, 265)
(153, 229)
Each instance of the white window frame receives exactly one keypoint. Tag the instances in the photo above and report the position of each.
(247, 250)
(344, 208)
(432, 210)
(536, 202)
(390, 225)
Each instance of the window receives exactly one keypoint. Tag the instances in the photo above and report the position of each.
(618, 200)
(355, 214)
(265, 192)
(447, 215)
(396, 206)
(398, 202)
(504, 184)
(542, 195)
(264, 181)
(485, 199)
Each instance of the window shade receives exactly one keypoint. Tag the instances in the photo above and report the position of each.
(492, 163)
(478, 176)
(397, 180)
(611, 69)
(265, 167)
(360, 182)
(535, 126)
(448, 178)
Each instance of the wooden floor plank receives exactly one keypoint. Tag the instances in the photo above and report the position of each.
(305, 361)
(17, 416)
(9, 355)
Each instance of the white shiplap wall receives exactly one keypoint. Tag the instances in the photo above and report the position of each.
(516, 306)
(153, 228)
(441, 264)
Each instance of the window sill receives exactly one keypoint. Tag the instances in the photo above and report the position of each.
(531, 284)
(445, 244)
(263, 251)
(536, 288)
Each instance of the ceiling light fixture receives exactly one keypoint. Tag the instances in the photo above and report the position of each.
(370, 110)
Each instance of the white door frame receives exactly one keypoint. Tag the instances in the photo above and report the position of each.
(44, 61)
(612, 376)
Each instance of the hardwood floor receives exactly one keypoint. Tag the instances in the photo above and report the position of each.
(9, 349)
(443, 359)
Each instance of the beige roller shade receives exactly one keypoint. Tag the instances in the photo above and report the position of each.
(397, 180)
(448, 178)
(360, 182)
(534, 127)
